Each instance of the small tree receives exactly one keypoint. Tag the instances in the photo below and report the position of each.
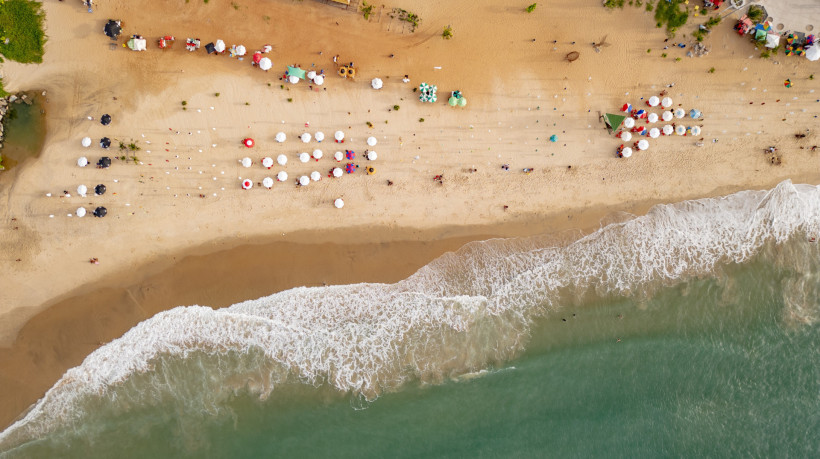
(448, 33)
(531, 8)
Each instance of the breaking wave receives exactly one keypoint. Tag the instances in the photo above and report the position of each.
(462, 313)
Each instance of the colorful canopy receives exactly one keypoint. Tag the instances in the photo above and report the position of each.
(257, 56)
(452, 101)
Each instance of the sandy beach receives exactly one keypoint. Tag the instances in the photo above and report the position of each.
(163, 245)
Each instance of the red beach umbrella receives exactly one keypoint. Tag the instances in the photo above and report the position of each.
(248, 142)
(257, 56)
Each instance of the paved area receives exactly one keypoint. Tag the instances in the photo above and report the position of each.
(793, 15)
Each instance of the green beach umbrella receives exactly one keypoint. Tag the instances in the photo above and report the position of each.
(452, 101)
(434, 88)
(462, 101)
(433, 98)
(423, 87)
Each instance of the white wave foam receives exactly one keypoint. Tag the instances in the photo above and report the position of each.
(460, 314)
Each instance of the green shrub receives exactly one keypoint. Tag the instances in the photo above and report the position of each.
(531, 8)
(21, 24)
(366, 9)
(755, 13)
(421, 120)
(448, 33)
(396, 107)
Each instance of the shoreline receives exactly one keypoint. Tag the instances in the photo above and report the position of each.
(67, 329)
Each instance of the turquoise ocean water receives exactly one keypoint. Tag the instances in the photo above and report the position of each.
(691, 331)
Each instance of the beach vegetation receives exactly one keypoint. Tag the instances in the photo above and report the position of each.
(663, 55)
(3, 92)
(671, 14)
(811, 77)
(184, 103)
(205, 1)
(637, 3)
(531, 8)
(366, 9)
(713, 21)
(266, 18)
(421, 120)
(290, 99)
(755, 14)
(765, 54)
(235, 6)
(21, 31)
(648, 50)
(712, 70)
(247, 103)
(216, 94)
(369, 124)
(448, 33)
(699, 35)
(404, 15)
(396, 107)
(281, 86)
(649, 6)
(614, 3)
(677, 59)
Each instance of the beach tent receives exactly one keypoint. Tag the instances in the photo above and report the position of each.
(86, 142)
(319, 136)
(304, 157)
(319, 80)
(267, 182)
(337, 172)
(772, 40)
(247, 184)
(282, 176)
(112, 29)
(281, 137)
(246, 162)
(643, 144)
(338, 203)
(82, 161)
(376, 83)
(626, 152)
(297, 72)
(629, 122)
(304, 180)
(210, 48)
(813, 53)
(267, 162)
(654, 133)
(219, 46)
(372, 141)
(666, 102)
(668, 130)
(653, 101)
(653, 118)
(265, 64)
(613, 122)
(80, 212)
(282, 160)
(100, 212)
(372, 155)
(137, 43)
(305, 137)
(315, 176)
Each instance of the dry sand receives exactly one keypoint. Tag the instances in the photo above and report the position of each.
(520, 92)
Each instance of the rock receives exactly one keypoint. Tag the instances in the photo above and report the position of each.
(44, 93)
(24, 97)
(12, 98)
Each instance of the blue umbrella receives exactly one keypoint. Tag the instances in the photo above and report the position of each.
(553, 138)
(694, 113)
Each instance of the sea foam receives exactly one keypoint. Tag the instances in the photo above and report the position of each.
(462, 313)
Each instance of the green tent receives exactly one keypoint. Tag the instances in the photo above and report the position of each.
(613, 122)
(297, 72)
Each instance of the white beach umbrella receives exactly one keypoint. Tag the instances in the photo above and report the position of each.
(80, 212)
(339, 203)
(667, 116)
(338, 172)
(82, 190)
(376, 83)
(304, 180)
(339, 136)
(267, 182)
(654, 101)
(654, 133)
(293, 79)
(282, 160)
(304, 157)
(246, 162)
(372, 141)
(372, 155)
(695, 130)
(247, 184)
(652, 118)
(629, 122)
(813, 53)
(86, 142)
(315, 176)
(311, 75)
(240, 50)
(319, 80)
(668, 130)
(82, 161)
(282, 176)
(680, 129)
(643, 144)
(679, 113)
(219, 46)
(626, 152)
(281, 137)
(666, 102)
(338, 156)
(267, 162)
(305, 137)
(265, 64)
(626, 136)
(317, 154)
(319, 136)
